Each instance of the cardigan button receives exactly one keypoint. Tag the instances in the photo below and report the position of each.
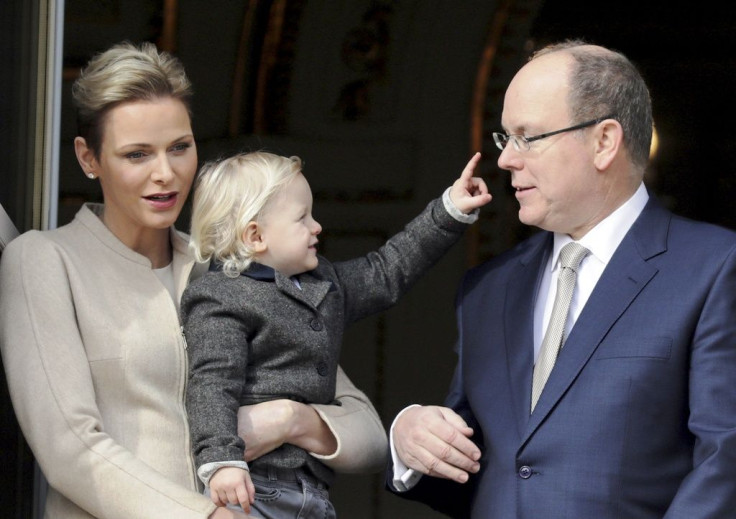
(316, 325)
(322, 369)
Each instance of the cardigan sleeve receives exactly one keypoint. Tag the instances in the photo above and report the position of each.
(376, 281)
(53, 395)
(361, 438)
(215, 333)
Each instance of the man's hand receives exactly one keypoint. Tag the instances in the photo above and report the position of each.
(435, 441)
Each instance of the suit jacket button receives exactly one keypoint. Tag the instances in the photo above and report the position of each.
(316, 325)
(525, 472)
(322, 369)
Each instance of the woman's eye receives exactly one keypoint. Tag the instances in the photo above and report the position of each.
(133, 155)
(181, 146)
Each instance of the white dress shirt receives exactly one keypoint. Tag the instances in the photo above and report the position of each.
(602, 241)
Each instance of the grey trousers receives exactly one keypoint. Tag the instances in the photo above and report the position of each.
(289, 494)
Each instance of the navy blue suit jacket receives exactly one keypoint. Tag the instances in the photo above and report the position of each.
(638, 418)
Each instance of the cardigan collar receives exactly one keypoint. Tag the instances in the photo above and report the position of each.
(254, 271)
(90, 215)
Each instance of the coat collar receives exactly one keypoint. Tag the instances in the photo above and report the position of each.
(185, 268)
(311, 290)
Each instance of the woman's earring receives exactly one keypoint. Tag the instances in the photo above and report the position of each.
(90, 175)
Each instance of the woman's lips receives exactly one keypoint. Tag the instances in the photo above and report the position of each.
(162, 200)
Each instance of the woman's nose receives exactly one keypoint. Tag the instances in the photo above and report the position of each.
(162, 171)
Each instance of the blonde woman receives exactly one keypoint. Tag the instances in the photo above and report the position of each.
(89, 327)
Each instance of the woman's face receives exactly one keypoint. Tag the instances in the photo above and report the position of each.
(146, 165)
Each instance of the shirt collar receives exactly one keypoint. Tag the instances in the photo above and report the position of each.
(254, 271)
(603, 239)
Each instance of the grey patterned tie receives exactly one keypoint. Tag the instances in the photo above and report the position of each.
(570, 257)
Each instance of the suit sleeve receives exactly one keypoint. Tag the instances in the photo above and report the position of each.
(710, 488)
(361, 438)
(448, 497)
(54, 397)
(443, 495)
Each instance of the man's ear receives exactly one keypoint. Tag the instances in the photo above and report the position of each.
(609, 139)
(253, 238)
(85, 157)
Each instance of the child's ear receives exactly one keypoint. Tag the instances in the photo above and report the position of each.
(253, 238)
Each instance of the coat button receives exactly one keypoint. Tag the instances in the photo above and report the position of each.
(316, 325)
(322, 368)
(525, 472)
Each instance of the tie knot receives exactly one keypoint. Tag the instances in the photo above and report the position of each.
(572, 254)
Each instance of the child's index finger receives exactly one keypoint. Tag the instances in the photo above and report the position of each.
(470, 167)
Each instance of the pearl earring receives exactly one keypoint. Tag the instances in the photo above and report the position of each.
(90, 175)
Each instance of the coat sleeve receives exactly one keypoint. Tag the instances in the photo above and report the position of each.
(218, 358)
(361, 438)
(54, 397)
(376, 281)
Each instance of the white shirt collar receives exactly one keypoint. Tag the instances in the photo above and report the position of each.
(603, 239)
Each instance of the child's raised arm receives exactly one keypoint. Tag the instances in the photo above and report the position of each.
(468, 192)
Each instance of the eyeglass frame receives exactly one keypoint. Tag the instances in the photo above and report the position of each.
(499, 137)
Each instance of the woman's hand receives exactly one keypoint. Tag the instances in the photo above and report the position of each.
(268, 425)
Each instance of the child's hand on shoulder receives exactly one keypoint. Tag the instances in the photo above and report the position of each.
(232, 485)
(468, 192)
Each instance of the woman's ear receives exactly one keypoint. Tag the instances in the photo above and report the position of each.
(609, 137)
(253, 238)
(85, 157)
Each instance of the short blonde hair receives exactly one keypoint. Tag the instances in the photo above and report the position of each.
(125, 73)
(229, 194)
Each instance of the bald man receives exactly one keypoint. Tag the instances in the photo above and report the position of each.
(635, 414)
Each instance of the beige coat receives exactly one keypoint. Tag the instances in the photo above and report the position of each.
(96, 367)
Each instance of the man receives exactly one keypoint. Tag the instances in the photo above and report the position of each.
(630, 412)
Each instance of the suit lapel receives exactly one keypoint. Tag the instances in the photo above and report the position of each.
(519, 324)
(621, 282)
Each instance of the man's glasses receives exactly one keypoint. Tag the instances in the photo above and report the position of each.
(522, 143)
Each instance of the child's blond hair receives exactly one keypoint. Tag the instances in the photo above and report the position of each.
(229, 194)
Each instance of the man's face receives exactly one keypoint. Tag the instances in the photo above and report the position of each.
(557, 186)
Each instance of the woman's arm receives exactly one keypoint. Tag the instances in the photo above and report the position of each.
(348, 437)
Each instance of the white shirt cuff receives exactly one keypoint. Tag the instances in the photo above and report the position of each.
(404, 478)
(206, 471)
(456, 213)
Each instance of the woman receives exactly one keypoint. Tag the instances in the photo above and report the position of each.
(90, 335)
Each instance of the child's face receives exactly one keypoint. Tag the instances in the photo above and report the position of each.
(288, 230)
